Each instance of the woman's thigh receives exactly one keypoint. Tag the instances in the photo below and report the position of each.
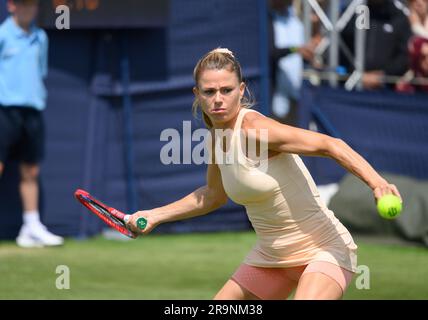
(250, 282)
(323, 281)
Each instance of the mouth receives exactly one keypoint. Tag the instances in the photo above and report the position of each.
(218, 110)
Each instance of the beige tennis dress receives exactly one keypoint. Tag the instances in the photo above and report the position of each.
(293, 225)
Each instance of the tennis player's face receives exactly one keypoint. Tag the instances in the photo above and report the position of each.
(219, 93)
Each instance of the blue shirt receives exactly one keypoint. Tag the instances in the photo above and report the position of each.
(289, 32)
(23, 65)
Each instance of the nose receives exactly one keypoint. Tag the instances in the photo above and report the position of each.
(218, 97)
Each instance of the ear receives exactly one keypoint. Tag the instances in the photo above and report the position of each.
(195, 91)
(242, 89)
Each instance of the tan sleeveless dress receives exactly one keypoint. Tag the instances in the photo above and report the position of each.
(293, 225)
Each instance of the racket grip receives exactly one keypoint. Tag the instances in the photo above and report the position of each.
(141, 222)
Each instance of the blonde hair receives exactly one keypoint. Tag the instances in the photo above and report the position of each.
(218, 59)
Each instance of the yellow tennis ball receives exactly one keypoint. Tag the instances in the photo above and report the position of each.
(389, 206)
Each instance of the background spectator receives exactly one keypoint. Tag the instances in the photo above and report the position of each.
(287, 51)
(418, 17)
(418, 50)
(386, 43)
(23, 66)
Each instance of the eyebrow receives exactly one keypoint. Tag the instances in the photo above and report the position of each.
(212, 88)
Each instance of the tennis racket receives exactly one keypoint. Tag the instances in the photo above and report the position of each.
(112, 217)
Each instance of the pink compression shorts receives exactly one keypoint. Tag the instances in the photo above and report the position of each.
(278, 283)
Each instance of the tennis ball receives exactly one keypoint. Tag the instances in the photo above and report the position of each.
(389, 206)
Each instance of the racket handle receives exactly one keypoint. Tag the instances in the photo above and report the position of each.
(141, 222)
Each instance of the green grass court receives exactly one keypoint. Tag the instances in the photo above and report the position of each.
(188, 266)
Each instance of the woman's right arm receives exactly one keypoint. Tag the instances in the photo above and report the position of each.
(201, 201)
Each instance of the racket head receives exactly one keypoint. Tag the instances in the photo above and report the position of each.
(110, 216)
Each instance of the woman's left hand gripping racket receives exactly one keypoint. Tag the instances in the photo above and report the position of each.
(114, 218)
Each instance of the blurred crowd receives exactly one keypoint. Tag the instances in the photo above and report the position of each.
(396, 49)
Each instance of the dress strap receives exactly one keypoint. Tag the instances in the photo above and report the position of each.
(241, 115)
(237, 134)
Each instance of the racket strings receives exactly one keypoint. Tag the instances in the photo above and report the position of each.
(106, 213)
(109, 218)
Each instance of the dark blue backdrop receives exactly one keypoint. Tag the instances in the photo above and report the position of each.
(390, 130)
(85, 127)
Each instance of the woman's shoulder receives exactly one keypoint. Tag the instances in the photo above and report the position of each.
(253, 119)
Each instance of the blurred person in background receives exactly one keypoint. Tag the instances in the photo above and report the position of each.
(287, 51)
(418, 50)
(386, 42)
(418, 17)
(23, 67)
(316, 61)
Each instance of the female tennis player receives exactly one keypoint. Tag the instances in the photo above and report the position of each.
(300, 245)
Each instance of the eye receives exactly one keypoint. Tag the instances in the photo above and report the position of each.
(227, 90)
(209, 92)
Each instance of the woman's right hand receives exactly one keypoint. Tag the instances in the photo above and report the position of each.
(146, 214)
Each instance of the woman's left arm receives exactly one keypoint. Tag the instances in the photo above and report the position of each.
(284, 138)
